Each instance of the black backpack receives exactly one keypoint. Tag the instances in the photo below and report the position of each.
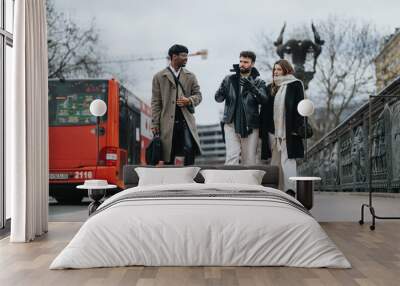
(154, 151)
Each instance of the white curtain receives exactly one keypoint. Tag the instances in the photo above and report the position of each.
(27, 124)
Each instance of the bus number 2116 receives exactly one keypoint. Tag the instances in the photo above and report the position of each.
(83, 175)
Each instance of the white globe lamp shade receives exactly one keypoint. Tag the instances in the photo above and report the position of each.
(305, 107)
(98, 107)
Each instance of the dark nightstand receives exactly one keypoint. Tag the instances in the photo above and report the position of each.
(96, 191)
(305, 190)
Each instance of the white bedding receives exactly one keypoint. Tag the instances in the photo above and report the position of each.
(200, 231)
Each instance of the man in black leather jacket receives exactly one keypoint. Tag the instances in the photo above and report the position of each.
(243, 93)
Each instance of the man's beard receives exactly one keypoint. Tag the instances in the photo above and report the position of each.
(245, 71)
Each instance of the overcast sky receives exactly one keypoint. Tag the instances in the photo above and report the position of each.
(130, 28)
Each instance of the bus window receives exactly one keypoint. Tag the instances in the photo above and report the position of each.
(134, 143)
(123, 126)
(69, 101)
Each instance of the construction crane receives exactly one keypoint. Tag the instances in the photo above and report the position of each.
(203, 53)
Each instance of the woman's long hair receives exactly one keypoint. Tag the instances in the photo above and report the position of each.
(287, 69)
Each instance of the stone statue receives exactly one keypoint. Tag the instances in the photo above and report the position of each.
(299, 49)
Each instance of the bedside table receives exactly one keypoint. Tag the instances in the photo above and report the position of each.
(96, 192)
(304, 190)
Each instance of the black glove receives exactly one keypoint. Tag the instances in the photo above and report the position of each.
(249, 84)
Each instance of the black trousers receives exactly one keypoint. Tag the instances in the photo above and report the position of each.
(182, 143)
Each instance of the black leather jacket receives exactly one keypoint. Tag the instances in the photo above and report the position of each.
(230, 89)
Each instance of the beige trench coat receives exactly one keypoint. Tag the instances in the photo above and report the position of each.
(163, 102)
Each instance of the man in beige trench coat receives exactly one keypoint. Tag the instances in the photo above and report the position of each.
(175, 94)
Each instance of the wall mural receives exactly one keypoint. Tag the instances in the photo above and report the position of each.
(322, 165)
(346, 164)
(342, 163)
(378, 151)
(359, 155)
(334, 164)
(395, 135)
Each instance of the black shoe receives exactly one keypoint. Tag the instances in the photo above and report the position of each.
(291, 193)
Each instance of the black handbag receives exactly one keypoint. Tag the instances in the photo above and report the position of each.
(305, 131)
(154, 151)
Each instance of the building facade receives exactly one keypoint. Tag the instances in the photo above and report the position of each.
(387, 63)
(212, 145)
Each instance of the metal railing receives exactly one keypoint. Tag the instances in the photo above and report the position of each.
(341, 157)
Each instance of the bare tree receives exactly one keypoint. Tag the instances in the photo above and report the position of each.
(73, 51)
(345, 70)
(346, 74)
(267, 55)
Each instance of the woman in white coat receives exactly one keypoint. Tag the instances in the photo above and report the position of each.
(280, 121)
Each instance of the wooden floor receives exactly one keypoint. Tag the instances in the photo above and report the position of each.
(374, 255)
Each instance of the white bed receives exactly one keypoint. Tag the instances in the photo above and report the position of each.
(203, 231)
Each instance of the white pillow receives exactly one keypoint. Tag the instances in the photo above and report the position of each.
(164, 176)
(249, 177)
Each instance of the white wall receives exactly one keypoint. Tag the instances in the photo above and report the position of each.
(9, 66)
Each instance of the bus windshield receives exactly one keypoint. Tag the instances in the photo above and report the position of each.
(69, 101)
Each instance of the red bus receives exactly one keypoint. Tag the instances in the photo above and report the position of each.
(124, 133)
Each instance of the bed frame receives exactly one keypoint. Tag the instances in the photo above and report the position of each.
(270, 179)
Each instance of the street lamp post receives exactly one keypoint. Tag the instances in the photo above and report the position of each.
(98, 108)
(96, 188)
(306, 109)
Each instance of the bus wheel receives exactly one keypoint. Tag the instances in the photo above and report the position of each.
(69, 199)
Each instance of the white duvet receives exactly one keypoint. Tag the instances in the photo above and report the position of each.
(200, 231)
